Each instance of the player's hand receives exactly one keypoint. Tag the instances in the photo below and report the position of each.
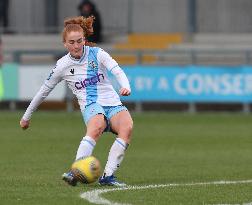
(24, 124)
(124, 92)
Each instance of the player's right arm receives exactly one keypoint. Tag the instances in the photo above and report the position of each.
(53, 79)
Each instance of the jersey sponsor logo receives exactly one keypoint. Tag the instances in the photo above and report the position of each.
(89, 81)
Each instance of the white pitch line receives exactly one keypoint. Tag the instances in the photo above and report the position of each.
(95, 198)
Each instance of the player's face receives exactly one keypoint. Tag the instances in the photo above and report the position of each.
(74, 42)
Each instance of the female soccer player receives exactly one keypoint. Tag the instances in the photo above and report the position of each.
(84, 69)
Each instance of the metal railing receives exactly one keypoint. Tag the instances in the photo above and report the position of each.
(166, 57)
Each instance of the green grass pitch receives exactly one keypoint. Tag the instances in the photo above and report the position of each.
(166, 148)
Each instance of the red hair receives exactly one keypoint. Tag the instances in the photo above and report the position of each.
(79, 23)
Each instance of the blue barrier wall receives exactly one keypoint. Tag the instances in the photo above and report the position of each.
(190, 83)
(9, 82)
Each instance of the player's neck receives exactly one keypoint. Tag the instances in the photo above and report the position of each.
(78, 57)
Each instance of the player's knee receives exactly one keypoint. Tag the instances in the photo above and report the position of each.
(127, 128)
(97, 129)
(130, 126)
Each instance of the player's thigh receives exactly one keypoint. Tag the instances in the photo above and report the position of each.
(121, 121)
(96, 125)
(91, 111)
(94, 117)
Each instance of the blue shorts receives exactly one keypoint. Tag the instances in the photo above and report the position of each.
(108, 111)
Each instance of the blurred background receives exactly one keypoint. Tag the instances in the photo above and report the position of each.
(186, 55)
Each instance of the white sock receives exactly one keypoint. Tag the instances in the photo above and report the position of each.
(86, 147)
(115, 157)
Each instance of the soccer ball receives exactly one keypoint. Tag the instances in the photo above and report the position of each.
(86, 170)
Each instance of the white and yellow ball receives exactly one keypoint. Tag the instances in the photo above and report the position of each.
(86, 170)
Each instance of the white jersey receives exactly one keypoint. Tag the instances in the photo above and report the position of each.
(87, 77)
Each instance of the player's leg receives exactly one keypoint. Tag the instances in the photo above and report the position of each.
(95, 121)
(95, 128)
(122, 124)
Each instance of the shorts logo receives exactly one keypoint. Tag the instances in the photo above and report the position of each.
(89, 81)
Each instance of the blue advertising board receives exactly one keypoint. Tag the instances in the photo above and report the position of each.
(190, 83)
(9, 81)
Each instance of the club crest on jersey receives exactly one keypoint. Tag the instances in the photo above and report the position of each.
(93, 65)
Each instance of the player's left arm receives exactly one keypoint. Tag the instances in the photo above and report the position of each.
(115, 69)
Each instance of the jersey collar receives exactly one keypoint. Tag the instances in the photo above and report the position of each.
(83, 57)
(84, 54)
